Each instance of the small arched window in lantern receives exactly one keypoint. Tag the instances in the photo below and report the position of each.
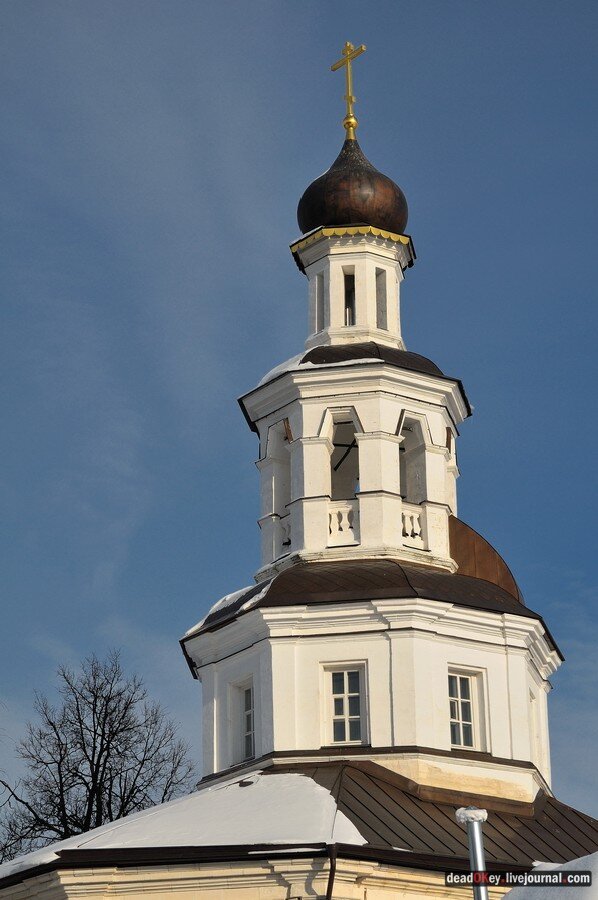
(381, 300)
(349, 285)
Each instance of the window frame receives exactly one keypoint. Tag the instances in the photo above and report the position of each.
(248, 722)
(238, 721)
(332, 715)
(478, 705)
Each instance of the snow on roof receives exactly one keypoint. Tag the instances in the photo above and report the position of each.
(228, 600)
(573, 892)
(295, 365)
(255, 809)
(287, 366)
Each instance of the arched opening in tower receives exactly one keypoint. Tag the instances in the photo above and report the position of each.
(412, 462)
(344, 462)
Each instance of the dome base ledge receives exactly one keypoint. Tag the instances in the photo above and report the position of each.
(336, 554)
(353, 334)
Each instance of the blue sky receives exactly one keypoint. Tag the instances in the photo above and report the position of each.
(153, 155)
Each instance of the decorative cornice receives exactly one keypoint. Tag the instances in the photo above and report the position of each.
(368, 753)
(355, 378)
(350, 230)
(173, 869)
(437, 619)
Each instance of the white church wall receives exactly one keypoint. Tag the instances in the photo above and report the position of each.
(277, 878)
(305, 723)
(405, 650)
(407, 681)
(222, 718)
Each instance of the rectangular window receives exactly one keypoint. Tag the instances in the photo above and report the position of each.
(347, 696)
(247, 723)
(381, 313)
(349, 299)
(461, 703)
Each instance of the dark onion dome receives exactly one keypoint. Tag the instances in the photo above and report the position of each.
(353, 192)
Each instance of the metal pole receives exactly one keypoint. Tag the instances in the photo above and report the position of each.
(473, 818)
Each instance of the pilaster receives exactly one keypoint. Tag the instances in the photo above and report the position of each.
(436, 516)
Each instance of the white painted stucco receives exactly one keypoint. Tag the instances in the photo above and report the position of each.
(404, 425)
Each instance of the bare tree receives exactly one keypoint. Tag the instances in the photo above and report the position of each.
(101, 753)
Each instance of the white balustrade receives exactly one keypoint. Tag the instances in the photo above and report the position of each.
(343, 523)
(413, 526)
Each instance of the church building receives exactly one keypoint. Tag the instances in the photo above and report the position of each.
(383, 670)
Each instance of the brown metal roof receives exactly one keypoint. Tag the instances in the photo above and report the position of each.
(483, 581)
(403, 359)
(343, 581)
(391, 811)
(382, 579)
(475, 556)
(404, 824)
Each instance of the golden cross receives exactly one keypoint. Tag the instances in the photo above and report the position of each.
(349, 54)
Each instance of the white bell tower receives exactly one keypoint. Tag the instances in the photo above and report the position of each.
(357, 436)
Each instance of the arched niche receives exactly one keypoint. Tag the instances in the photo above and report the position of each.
(412, 459)
(278, 453)
(340, 426)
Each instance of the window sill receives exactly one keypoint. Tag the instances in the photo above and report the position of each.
(339, 745)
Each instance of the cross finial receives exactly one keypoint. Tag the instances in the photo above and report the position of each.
(349, 54)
